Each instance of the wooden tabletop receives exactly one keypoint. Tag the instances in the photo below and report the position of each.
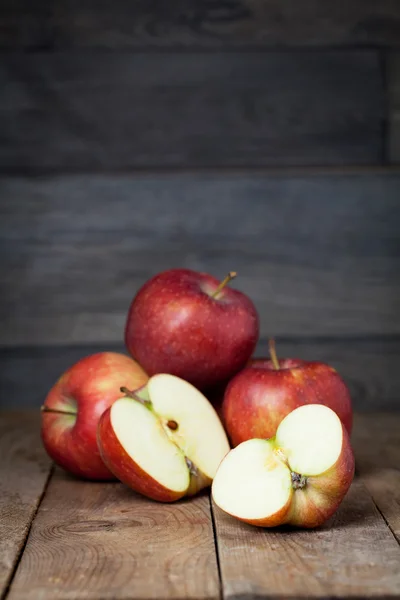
(64, 538)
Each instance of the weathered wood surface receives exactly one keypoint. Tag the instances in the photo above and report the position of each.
(103, 541)
(355, 555)
(94, 540)
(319, 255)
(369, 367)
(231, 23)
(393, 79)
(68, 111)
(376, 441)
(24, 470)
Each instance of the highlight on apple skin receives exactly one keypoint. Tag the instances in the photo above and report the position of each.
(299, 477)
(263, 393)
(164, 440)
(191, 325)
(74, 405)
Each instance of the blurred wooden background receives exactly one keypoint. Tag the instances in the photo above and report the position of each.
(255, 135)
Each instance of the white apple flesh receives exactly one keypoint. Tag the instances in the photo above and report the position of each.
(165, 440)
(298, 478)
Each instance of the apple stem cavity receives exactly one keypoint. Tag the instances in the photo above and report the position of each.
(298, 481)
(46, 409)
(273, 355)
(131, 394)
(223, 283)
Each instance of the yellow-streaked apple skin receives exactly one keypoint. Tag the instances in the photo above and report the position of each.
(314, 504)
(125, 468)
(86, 390)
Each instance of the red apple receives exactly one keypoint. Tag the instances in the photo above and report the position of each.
(75, 404)
(261, 395)
(164, 440)
(299, 477)
(190, 325)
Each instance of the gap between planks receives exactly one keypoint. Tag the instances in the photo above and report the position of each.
(4, 594)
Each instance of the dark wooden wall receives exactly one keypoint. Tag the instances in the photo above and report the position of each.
(255, 135)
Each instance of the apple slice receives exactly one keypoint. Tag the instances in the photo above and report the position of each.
(164, 440)
(299, 477)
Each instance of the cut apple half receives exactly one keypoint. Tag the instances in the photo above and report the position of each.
(299, 477)
(164, 440)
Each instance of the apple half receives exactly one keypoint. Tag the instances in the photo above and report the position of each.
(164, 440)
(299, 477)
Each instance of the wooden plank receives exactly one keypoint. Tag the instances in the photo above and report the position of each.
(369, 367)
(215, 24)
(103, 541)
(376, 441)
(354, 556)
(318, 254)
(73, 111)
(24, 470)
(393, 82)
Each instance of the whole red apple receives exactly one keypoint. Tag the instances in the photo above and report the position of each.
(190, 325)
(259, 397)
(74, 405)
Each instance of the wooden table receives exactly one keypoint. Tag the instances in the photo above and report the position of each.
(63, 538)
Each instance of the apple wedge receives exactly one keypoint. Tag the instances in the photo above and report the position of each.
(164, 440)
(299, 477)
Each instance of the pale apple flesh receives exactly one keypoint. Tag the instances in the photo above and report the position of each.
(166, 441)
(297, 478)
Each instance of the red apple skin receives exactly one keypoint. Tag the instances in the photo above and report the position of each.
(88, 388)
(125, 468)
(259, 397)
(175, 326)
(322, 494)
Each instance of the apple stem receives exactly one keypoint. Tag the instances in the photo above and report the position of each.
(223, 283)
(44, 409)
(131, 394)
(272, 353)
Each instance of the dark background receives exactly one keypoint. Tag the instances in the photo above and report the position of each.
(253, 135)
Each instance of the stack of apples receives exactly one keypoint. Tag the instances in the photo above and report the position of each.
(148, 420)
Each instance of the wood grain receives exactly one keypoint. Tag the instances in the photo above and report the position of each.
(73, 111)
(216, 23)
(319, 255)
(24, 470)
(393, 81)
(103, 541)
(376, 441)
(353, 556)
(369, 367)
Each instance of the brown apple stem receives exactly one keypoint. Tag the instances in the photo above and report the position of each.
(272, 353)
(54, 410)
(223, 283)
(131, 394)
